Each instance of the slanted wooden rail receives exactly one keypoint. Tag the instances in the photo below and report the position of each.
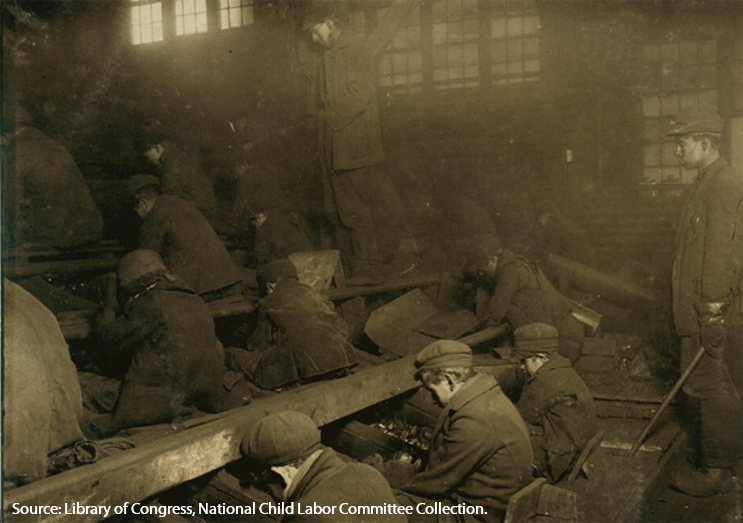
(155, 467)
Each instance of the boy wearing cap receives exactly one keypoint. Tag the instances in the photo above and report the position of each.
(298, 338)
(289, 443)
(556, 404)
(707, 297)
(167, 332)
(181, 176)
(277, 235)
(180, 234)
(522, 294)
(480, 453)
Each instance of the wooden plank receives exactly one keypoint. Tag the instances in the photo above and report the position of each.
(655, 482)
(17, 270)
(610, 287)
(599, 347)
(77, 329)
(154, 467)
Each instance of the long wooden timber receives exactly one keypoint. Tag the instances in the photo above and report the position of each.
(611, 287)
(155, 467)
(77, 326)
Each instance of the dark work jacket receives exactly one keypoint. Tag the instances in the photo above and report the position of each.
(350, 126)
(184, 178)
(331, 481)
(176, 359)
(480, 453)
(300, 335)
(560, 414)
(188, 245)
(709, 248)
(524, 295)
(45, 198)
(278, 237)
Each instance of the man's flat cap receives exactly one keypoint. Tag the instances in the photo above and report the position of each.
(696, 119)
(443, 354)
(281, 438)
(535, 338)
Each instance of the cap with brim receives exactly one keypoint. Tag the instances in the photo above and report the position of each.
(443, 354)
(696, 119)
(316, 12)
(535, 338)
(282, 438)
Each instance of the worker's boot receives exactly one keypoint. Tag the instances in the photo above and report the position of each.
(701, 484)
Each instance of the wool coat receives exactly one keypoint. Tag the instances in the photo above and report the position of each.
(560, 414)
(184, 178)
(351, 132)
(176, 360)
(524, 295)
(300, 336)
(278, 237)
(188, 245)
(480, 453)
(708, 263)
(331, 481)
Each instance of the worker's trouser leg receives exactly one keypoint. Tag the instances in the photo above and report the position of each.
(719, 405)
(354, 209)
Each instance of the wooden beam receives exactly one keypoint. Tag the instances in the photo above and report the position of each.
(154, 467)
(79, 327)
(610, 287)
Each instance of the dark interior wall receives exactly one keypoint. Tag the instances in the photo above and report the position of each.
(464, 156)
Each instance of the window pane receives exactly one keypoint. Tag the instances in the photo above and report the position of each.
(248, 15)
(201, 22)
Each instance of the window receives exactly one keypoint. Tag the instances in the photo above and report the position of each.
(147, 22)
(676, 75)
(190, 17)
(514, 41)
(401, 66)
(455, 44)
(235, 13)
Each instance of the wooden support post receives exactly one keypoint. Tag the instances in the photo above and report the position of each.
(157, 466)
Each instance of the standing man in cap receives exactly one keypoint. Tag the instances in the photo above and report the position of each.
(480, 453)
(167, 333)
(298, 337)
(556, 404)
(350, 137)
(289, 443)
(707, 297)
(188, 245)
